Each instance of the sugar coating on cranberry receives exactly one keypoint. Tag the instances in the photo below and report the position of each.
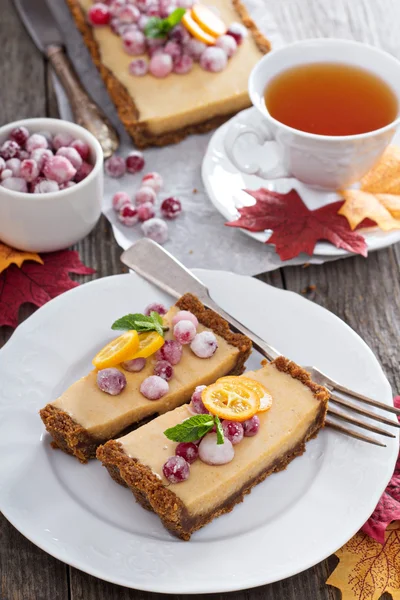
(62, 139)
(134, 162)
(155, 307)
(10, 149)
(163, 369)
(116, 5)
(29, 170)
(185, 315)
(188, 450)
(204, 344)
(134, 42)
(173, 49)
(212, 453)
(184, 331)
(99, 14)
(171, 351)
(2, 164)
(171, 208)
(180, 34)
(156, 230)
(16, 184)
(36, 141)
(128, 215)
(82, 148)
(5, 174)
(19, 135)
(142, 22)
(238, 32)
(111, 381)
(153, 180)
(154, 387)
(213, 59)
(67, 184)
(128, 14)
(161, 65)
(196, 402)
(115, 166)
(59, 169)
(83, 172)
(41, 156)
(14, 165)
(233, 431)
(73, 156)
(195, 48)
(135, 365)
(144, 195)
(145, 211)
(183, 64)
(138, 67)
(46, 186)
(119, 200)
(251, 426)
(176, 469)
(228, 44)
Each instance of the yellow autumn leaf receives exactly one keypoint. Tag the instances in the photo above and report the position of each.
(384, 178)
(367, 569)
(9, 255)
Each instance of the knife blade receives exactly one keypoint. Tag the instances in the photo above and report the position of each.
(40, 23)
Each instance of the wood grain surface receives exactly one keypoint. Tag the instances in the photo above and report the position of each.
(364, 293)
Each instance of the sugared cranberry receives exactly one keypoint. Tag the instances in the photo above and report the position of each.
(134, 43)
(176, 469)
(29, 170)
(156, 230)
(153, 180)
(128, 14)
(204, 344)
(142, 22)
(14, 165)
(184, 332)
(115, 166)
(99, 14)
(185, 4)
(195, 48)
(173, 49)
(59, 169)
(213, 59)
(36, 141)
(183, 64)
(134, 161)
(5, 174)
(135, 365)
(171, 351)
(179, 34)
(128, 215)
(212, 453)
(115, 6)
(10, 149)
(145, 211)
(145, 195)
(251, 426)
(163, 369)
(166, 7)
(83, 172)
(19, 135)
(119, 200)
(196, 403)
(73, 156)
(153, 43)
(153, 10)
(45, 186)
(67, 184)
(111, 381)
(185, 315)
(49, 137)
(161, 65)
(233, 431)
(171, 208)
(62, 139)
(154, 387)
(138, 67)
(23, 154)
(155, 307)
(41, 156)
(238, 32)
(143, 5)
(188, 450)
(82, 148)
(16, 184)
(228, 44)
(2, 164)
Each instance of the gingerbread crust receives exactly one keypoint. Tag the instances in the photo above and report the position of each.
(125, 104)
(153, 495)
(72, 438)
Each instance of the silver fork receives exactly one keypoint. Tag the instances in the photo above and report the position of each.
(159, 267)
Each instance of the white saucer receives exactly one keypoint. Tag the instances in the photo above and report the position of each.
(225, 184)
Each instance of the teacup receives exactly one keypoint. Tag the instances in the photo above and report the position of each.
(322, 161)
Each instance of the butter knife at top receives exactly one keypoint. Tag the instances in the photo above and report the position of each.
(44, 31)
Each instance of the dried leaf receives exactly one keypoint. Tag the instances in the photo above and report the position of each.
(361, 205)
(384, 178)
(367, 569)
(10, 256)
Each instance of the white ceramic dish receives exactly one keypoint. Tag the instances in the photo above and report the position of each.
(224, 184)
(77, 513)
(53, 221)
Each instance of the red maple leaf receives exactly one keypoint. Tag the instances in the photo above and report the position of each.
(388, 508)
(36, 283)
(296, 228)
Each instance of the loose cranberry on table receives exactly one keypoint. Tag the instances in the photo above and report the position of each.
(187, 450)
(184, 332)
(164, 369)
(161, 65)
(134, 162)
(183, 64)
(155, 307)
(99, 14)
(212, 453)
(171, 351)
(185, 315)
(228, 44)
(204, 344)
(138, 67)
(173, 49)
(153, 180)
(233, 431)
(128, 14)
(213, 59)
(115, 166)
(171, 208)
(119, 200)
(135, 365)
(195, 48)
(111, 381)
(134, 42)
(128, 215)
(154, 387)
(156, 230)
(176, 469)
(145, 211)
(144, 195)
(196, 403)
(251, 426)
(238, 32)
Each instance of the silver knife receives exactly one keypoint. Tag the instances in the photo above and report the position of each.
(159, 267)
(44, 31)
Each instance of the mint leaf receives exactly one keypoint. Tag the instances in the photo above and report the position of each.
(159, 28)
(220, 431)
(175, 17)
(141, 323)
(191, 429)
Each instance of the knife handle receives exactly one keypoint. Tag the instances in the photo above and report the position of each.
(85, 111)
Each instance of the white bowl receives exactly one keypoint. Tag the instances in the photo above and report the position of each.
(49, 222)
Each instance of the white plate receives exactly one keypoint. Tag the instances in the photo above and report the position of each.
(78, 514)
(225, 184)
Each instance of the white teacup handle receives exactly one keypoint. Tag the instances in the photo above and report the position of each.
(235, 131)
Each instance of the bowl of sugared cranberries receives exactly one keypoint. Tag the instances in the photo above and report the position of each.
(51, 184)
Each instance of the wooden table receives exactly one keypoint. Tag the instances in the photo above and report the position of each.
(364, 293)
